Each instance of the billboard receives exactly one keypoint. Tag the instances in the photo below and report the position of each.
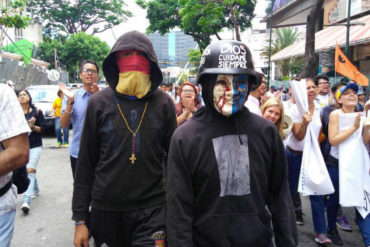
(336, 10)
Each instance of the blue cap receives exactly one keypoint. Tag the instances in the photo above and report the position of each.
(353, 86)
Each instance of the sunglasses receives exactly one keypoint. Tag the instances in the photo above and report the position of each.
(90, 71)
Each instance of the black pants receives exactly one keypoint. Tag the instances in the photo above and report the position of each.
(297, 203)
(137, 228)
(73, 165)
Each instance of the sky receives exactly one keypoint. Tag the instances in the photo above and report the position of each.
(137, 22)
(140, 23)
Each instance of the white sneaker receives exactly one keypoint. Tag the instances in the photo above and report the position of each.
(25, 207)
(35, 195)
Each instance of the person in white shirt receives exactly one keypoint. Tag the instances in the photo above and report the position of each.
(14, 153)
(271, 92)
(257, 90)
(294, 152)
(323, 95)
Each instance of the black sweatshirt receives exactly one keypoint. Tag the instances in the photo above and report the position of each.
(35, 138)
(104, 174)
(105, 177)
(225, 176)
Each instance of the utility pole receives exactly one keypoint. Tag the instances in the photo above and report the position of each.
(55, 59)
(269, 62)
(348, 27)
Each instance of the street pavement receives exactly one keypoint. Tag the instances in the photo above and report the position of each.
(49, 223)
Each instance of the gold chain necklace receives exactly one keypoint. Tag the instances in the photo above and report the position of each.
(133, 156)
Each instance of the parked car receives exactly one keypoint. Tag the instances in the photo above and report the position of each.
(43, 97)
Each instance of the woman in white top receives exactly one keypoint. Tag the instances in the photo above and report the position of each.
(294, 151)
(348, 99)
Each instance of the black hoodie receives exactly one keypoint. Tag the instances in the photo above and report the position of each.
(225, 176)
(105, 177)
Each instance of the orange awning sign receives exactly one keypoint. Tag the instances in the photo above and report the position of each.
(346, 68)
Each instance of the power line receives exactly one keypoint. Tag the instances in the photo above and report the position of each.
(24, 55)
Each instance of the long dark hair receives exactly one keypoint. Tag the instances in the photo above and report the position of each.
(32, 106)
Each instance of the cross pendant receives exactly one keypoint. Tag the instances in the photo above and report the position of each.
(133, 158)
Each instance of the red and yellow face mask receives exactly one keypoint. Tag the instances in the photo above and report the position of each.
(134, 73)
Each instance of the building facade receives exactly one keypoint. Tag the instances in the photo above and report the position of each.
(172, 48)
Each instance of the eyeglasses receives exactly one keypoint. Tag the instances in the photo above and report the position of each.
(188, 91)
(90, 71)
(323, 82)
(22, 95)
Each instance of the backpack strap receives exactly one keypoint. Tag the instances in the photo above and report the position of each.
(8, 185)
(5, 189)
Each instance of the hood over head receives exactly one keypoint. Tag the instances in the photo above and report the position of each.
(132, 40)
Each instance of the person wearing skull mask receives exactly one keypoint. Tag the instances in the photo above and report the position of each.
(124, 144)
(226, 168)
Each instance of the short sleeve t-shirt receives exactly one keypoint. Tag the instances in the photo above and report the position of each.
(296, 117)
(12, 123)
(57, 105)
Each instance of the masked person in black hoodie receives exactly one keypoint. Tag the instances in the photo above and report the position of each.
(124, 145)
(226, 170)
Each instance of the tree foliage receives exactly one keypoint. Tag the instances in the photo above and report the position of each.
(72, 17)
(194, 58)
(284, 38)
(10, 15)
(199, 18)
(77, 47)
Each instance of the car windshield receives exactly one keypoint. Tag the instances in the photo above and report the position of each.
(43, 94)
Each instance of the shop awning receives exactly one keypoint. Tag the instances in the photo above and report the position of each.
(328, 37)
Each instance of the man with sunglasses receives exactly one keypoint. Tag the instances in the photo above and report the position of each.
(74, 107)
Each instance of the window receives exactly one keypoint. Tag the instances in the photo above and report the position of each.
(18, 33)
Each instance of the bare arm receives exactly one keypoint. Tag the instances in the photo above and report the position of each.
(366, 130)
(184, 115)
(65, 119)
(16, 153)
(299, 129)
(336, 138)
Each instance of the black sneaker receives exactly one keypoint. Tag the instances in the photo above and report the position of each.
(334, 236)
(299, 218)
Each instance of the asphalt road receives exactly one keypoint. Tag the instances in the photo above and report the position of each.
(49, 223)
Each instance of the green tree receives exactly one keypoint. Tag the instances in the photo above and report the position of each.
(194, 58)
(77, 47)
(284, 38)
(72, 17)
(10, 15)
(199, 18)
(45, 51)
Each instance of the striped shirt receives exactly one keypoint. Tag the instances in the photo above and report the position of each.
(12, 123)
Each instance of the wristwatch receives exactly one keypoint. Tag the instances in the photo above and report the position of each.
(70, 103)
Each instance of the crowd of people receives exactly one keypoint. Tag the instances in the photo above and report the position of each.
(217, 164)
(324, 107)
